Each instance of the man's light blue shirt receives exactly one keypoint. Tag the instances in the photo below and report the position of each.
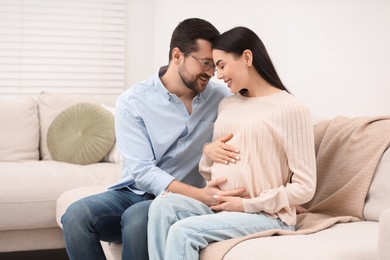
(158, 139)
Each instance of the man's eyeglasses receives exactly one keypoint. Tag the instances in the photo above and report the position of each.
(205, 65)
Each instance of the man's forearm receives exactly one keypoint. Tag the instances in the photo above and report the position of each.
(190, 191)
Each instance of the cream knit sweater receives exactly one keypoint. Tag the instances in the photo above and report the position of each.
(277, 158)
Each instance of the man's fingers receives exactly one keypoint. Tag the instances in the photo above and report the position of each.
(216, 208)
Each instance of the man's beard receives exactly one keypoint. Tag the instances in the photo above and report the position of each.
(192, 83)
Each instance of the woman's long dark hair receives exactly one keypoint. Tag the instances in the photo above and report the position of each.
(239, 39)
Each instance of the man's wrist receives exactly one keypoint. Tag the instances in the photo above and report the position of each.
(186, 190)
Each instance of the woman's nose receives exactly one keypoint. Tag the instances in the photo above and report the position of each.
(210, 72)
(219, 74)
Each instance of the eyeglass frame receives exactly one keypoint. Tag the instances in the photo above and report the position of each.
(203, 65)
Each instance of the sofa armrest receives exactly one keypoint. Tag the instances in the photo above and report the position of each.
(384, 235)
(70, 196)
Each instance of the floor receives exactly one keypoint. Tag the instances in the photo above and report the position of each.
(55, 254)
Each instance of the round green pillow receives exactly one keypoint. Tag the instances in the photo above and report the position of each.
(81, 134)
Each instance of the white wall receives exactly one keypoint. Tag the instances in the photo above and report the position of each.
(334, 55)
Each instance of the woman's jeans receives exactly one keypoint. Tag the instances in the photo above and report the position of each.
(179, 227)
(117, 216)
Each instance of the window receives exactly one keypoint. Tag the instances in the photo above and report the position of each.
(72, 46)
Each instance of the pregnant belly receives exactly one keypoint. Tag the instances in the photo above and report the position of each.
(234, 173)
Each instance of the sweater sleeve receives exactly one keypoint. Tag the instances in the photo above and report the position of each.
(298, 144)
(205, 167)
(205, 163)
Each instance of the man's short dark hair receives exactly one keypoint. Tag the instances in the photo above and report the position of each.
(188, 32)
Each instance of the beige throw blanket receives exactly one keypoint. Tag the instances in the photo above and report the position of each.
(348, 151)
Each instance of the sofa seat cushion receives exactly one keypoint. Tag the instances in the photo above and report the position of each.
(348, 241)
(29, 189)
(70, 196)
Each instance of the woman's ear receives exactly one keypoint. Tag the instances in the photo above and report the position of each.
(248, 57)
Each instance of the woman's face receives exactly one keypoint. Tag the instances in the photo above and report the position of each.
(231, 69)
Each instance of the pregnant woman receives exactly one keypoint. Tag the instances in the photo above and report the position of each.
(274, 135)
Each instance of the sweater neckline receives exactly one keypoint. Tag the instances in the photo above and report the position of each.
(267, 97)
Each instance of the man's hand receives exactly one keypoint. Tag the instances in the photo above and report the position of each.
(219, 151)
(213, 194)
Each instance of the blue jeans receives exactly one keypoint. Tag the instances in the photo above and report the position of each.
(179, 227)
(117, 216)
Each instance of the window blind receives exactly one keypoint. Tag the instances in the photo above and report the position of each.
(72, 46)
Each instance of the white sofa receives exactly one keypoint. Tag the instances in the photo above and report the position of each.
(30, 180)
(367, 239)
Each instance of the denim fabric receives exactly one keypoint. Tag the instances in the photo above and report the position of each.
(179, 226)
(108, 216)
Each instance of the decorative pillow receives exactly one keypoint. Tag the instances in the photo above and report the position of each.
(51, 104)
(82, 134)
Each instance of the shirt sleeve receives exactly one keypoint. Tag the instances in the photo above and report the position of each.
(138, 157)
(299, 148)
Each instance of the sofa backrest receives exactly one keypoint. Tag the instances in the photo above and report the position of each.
(19, 131)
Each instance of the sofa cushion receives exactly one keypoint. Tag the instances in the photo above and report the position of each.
(31, 188)
(19, 131)
(50, 105)
(377, 201)
(81, 134)
(348, 241)
(70, 196)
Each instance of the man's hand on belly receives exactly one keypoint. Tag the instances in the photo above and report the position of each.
(212, 192)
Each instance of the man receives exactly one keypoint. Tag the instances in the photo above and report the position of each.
(162, 124)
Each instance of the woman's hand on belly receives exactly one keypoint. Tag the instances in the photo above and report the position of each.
(227, 203)
(220, 152)
(212, 192)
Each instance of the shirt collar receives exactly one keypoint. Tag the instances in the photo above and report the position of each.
(164, 91)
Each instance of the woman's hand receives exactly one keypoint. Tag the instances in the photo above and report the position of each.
(219, 151)
(229, 204)
(212, 194)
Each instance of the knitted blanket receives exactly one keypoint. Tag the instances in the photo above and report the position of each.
(348, 151)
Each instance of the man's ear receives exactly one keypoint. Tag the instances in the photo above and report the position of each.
(248, 57)
(176, 55)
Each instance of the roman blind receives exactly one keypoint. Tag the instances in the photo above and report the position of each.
(67, 46)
